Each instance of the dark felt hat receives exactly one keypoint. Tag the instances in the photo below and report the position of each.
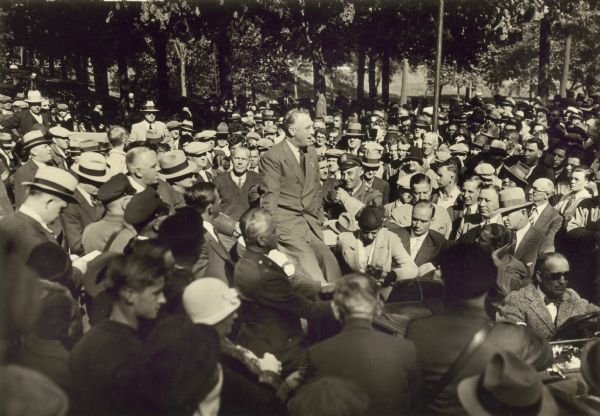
(370, 218)
(143, 207)
(116, 187)
(508, 385)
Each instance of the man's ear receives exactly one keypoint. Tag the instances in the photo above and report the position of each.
(128, 294)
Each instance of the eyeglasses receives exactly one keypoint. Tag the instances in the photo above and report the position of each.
(557, 276)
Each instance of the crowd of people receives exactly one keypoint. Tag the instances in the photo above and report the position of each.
(150, 266)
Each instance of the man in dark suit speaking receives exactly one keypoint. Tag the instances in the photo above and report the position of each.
(291, 191)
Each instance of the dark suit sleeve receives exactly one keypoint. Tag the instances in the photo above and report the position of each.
(277, 292)
(12, 122)
(73, 229)
(269, 183)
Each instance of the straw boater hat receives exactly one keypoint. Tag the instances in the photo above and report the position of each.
(34, 138)
(92, 166)
(512, 199)
(507, 386)
(54, 181)
(174, 166)
(34, 97)
(354, 130)
(149, 107)
(268, 115)
(60, 132)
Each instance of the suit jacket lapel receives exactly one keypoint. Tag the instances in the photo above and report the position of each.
(538, 306)
(90, 211)
(425, 250)
(218, 248)
(290, 160)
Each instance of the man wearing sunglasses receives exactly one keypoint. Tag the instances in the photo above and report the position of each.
(548, 303)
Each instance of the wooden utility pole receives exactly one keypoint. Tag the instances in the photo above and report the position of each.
(438, 66)
(566, 63)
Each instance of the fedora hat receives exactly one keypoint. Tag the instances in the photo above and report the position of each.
(149, 107)
(512, 199)
(414, 154)
(480, 141)
(205, 135)
(54, 181)
(187, 125)
(372, 159)
(34, 138)
(174, 165)
(508, 385)
(517, 172)
(34, 97)
(354, 130)
(268, 115)
(92, 166)
(492, 132)
(344, 223)
(422, 121)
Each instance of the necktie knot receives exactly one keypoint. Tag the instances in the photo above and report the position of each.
(548, 301)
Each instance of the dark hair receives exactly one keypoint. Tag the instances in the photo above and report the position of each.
(588, 173)
(133, 271)
(178, 365)
(182, 232)
(221, 160)
(499, 235)
(543, 259)
(536, 141)
(468, 271)
(200, 195)
(419, 178)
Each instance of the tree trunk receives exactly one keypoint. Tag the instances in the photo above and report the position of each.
(181, 51)
(360, 74)
(64, 70)
(100, 69)
(544, 58)
(385, 76)
(404, 90)
(566, 63)
(319, 83)
(160, 39)
(372, 75)
(124, 86)
(80, 65)
(51, 67)
(224, 54)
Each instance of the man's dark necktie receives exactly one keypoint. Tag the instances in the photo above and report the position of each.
(302, 151)
(556, 302)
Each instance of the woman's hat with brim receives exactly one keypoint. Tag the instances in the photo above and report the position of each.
(54, 181)
(512, 199)
(174, 165)
(509, 384)
(34, 97)
(34, 138)
(92, 166)
(209, 300)
(354, 130)
(149, 107)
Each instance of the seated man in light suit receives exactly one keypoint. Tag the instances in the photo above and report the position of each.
(375, 250)
(548, 303)
(422, 243)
